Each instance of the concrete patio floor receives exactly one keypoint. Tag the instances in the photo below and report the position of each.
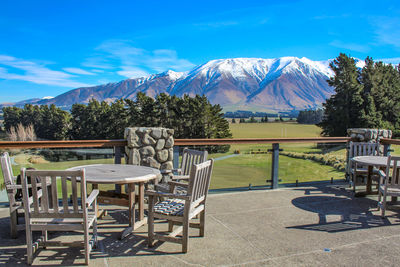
(317, 225)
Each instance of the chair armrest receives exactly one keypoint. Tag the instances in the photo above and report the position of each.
(173, 183)
(13, 186)
(92, 197)
(180, 177)
(169, 195)
(165, 171)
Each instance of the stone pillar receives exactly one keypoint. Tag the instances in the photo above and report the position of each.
(152, 147)
(368, 135)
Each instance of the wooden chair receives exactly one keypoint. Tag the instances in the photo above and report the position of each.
(180, 209)
(15, 204)
(190, 157)
(39, 216)
(360, 149)
(389, 184)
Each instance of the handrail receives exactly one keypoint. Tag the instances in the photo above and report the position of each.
(387, 141)
(178, 142)
(62, 144)
(182, 142)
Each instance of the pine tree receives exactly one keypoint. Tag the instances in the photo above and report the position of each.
(345, 108)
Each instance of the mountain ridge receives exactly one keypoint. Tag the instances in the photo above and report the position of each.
(278, 84)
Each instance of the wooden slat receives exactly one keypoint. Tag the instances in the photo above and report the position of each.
(45, 197)
(35, 195)
(61, 244)
(64, 190)
(56, 227)
(168, 238)
(54, 193)
(74, 194)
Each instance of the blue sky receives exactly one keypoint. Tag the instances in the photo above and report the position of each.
(50, 47)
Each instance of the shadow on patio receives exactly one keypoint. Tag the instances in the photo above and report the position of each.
(317, 225)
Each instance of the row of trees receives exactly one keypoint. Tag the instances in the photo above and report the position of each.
(310, 116)
(191, 117)
(369, 97)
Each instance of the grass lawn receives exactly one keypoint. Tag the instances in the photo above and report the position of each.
(245, 169)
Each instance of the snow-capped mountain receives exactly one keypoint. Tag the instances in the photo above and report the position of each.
(278, 84)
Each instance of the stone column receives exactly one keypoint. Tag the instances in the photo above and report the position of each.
(152, 147)
(368, 135)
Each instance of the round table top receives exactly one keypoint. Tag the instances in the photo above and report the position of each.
(379, 161)
(117, 173)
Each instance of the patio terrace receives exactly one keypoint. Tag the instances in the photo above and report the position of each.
(316, 225)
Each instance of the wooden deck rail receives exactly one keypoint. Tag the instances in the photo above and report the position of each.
(178, 142)
(120, 143)
(386, 141)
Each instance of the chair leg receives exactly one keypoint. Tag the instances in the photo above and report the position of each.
(185, 236)
(379, 198)
(86, 244)
(383, 206)
(202, 222)
(29, 246)
(150, 223)
(96, 210)
(44, 236)
(13, 223)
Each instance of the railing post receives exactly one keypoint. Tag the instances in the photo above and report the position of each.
(117, 155)
(386, 150)
(176, 157)
(117, 160)
(275, 166)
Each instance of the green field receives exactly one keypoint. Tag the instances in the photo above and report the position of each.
(255, 169)
(245, 168)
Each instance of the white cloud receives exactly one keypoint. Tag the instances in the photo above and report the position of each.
(131, 61)
(393, 60)
(97, 71)
(216, 24)
(78, 71)
(132, 72)
(387, 30)
(35, 72)
(351, 46)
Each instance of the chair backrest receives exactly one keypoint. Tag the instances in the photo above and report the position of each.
(360, 149)
(39, 206)
(363, 149)
(9, 178)
(393, 172)
(191, 157)
(199, 181)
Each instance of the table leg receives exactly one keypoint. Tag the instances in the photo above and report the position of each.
(141, 201)
(369, 179)
(131, 207)
(131, 193)
(142, 220)
(100, 212)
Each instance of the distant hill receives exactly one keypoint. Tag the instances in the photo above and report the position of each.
(279, 84)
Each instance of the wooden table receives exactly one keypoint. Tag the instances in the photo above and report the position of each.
(371, 162)
(122, 174)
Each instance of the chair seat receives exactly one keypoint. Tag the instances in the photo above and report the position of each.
(174, 207)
